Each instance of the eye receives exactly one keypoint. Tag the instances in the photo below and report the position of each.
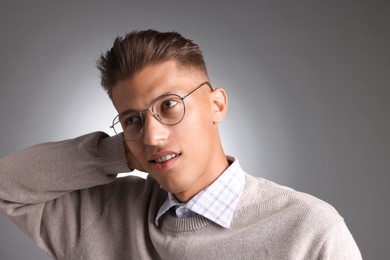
(168, 104)
(132, 120)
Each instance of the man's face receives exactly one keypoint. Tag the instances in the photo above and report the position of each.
(183, 158)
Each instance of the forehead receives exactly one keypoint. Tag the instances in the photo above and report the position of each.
(154, 80)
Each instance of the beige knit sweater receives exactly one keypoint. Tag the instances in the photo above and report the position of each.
(66, 197)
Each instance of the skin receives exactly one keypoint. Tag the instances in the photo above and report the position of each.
(195, 141)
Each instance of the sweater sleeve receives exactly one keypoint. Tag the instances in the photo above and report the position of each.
(43, 188)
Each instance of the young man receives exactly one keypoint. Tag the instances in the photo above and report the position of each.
(197, 203)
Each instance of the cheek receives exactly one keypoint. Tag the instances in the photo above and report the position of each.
(197, 128)
(199, 116)
(136, 150)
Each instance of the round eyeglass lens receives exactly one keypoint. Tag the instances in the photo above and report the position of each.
(169, 109)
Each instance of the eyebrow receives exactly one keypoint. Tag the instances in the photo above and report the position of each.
(128, 111)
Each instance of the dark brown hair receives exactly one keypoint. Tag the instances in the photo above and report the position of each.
(134, 51)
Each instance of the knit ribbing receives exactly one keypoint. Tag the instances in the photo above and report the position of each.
(175, 224)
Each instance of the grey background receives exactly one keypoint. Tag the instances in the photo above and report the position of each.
(308, 83)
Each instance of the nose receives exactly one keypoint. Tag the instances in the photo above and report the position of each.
(153, 131)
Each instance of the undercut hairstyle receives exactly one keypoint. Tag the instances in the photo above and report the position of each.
(138, 49)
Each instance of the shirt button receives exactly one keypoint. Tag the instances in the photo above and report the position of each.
(178, 212)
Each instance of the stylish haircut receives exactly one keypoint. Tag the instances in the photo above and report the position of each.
(138, 49)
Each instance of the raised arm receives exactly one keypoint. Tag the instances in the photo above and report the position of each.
(46, 184)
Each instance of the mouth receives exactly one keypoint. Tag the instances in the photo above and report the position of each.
(164, 161)
(165, 158)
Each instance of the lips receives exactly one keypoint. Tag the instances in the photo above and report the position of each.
(164, 161)
(163, 157)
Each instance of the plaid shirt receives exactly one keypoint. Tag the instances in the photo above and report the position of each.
(217, 202)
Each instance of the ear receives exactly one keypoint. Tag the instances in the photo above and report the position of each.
(219, 101)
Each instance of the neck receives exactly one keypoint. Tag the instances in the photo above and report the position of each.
(217, 167)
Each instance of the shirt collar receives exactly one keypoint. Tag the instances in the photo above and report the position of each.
(218, 201)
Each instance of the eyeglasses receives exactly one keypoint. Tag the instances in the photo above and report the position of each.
(168, 109)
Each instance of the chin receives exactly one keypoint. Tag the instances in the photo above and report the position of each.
(173, 188)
